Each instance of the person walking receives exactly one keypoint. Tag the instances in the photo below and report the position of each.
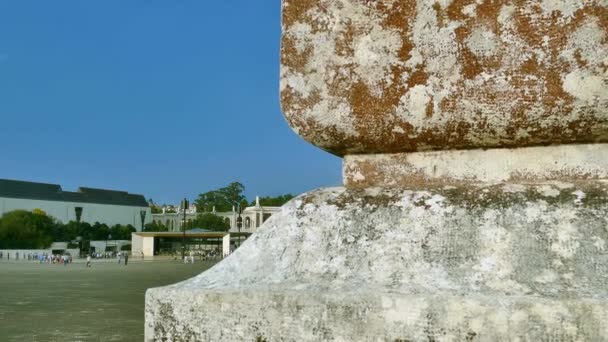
(119, 258)
(126, 258)
(88, 260)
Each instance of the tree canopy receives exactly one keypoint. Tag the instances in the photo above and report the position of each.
(35, 229)
(211, 221)
(155, 227)
(222, 199)
(24, 229)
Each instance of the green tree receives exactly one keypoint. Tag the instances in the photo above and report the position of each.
(99, 231)
(211, 222)
(274, 201)
(156, 209)
(120, 232)
(24, 229)
(223, 199)
(155, 227)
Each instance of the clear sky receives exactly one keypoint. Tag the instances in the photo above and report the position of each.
(164, 98)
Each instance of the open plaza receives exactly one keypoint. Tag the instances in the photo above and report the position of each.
(460, 190)
(53, 302)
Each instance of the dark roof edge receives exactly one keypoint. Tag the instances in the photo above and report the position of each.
(53, 192)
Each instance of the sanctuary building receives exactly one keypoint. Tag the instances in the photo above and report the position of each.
(252, 217)
(91, 205)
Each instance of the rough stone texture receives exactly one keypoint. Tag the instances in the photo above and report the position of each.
(487, 263)
(530, 164)
(387, 76)
(475, 245)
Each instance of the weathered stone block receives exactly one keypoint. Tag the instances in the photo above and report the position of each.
(393, 76)
(495, 262)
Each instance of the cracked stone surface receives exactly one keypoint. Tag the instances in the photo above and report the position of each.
(497, 262)
(392, 76)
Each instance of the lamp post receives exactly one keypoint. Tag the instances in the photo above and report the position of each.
(109, 238)
(79, 239)
(78, 212)
(142, 215)
(184, 207)
(239, 222)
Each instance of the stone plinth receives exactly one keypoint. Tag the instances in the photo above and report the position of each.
(529, 164)
(491, 263)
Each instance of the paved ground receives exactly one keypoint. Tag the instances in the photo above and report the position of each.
(73, 303)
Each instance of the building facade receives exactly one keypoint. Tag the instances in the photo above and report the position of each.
(253, 217)
(95, 205)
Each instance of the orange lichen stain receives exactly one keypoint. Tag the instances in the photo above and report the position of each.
(430, 108)
(291, 57)
(471, 67)
(530, 29)
(488, 12)
(291, 102)
(580, 61)
(439, 14)
(295, 10)
(400, 17)
(455, 8)
(419, 76)
(601, 13)
(344, 43)
(365, 105)
(530, 66)
(555, 90)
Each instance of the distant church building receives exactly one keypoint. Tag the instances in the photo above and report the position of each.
(252, 217)
(92, 205)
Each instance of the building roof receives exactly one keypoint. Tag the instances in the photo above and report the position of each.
(191, 234)
(53, 192)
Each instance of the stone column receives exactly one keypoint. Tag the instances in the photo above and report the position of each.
(474, 136)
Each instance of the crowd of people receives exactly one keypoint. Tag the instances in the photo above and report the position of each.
(44, 258)
(65, 259)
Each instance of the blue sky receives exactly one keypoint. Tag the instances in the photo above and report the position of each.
(164, 98)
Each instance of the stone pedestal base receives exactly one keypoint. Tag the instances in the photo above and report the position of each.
(320, 315)
(508, 261)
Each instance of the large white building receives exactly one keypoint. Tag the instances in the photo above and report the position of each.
(95, 205)
(252, 217)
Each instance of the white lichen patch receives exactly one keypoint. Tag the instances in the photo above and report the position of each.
(566, 236)
(548, 276)
(587, 41)
(548, 191)
(398, 129)
(414, 103)
(586, 87)
(482, 42)
(564, 8)
(580, 195)
(513, 188)
(374, 54)
(599, 243)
